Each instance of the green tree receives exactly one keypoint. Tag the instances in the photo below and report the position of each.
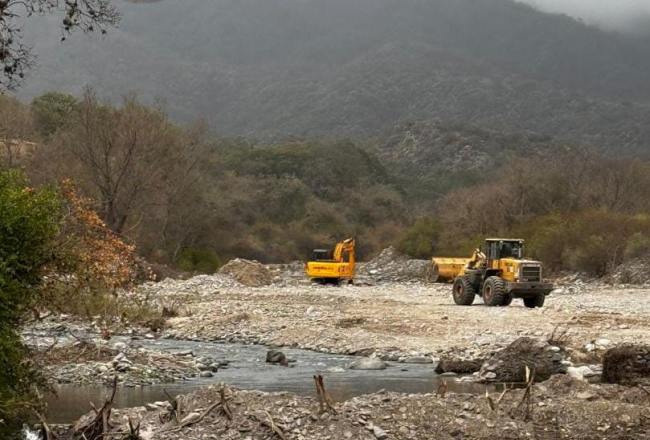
(53, 111)
(29, 221)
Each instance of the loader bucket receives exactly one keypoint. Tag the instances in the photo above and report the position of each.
(445, 270)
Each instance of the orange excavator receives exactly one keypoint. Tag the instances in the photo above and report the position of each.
(333, 266)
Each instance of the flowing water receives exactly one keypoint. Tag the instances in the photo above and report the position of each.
(248, 370)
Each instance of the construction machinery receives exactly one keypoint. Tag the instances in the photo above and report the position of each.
(499, 273)
(333, 266)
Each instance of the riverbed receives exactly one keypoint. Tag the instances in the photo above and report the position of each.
(247, 369)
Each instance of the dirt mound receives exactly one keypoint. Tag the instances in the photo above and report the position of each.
(509, 364)
(627, 364)
(636, 271)
(247, 272)
(392, 266)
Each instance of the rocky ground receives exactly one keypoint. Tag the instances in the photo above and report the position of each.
(75, 353)
(560, 408)
(399, 320)
(393, 315)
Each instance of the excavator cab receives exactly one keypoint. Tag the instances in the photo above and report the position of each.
(321, 255)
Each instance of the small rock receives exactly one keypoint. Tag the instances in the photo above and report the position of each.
(120, 346)
(379, 433)
(602, 342)
(184, 353)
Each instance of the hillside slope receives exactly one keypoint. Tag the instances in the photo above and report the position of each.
(272, 68)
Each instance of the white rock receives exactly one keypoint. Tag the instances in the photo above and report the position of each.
(120, 346)
(575, 373)
(379, 433)
(190, 418)
(368, 364)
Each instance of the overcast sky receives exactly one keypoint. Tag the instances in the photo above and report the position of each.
(619, 15)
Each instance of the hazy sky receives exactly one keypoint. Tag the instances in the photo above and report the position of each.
(611, 14)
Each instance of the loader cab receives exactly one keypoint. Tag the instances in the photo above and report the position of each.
(498, 248)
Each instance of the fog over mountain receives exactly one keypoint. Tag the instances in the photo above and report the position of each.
(357, 68)
(620, 15)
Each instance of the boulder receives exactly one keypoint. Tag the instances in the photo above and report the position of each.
(368, 364)
(277, 357)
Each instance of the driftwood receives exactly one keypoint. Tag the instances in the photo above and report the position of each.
(134, 431)
(194, 420)
(325, 401)
(45, 432)
(98, 427)
(270, 423)
(527, 398)
(494, 404)
(174, 413)
(225, 408)
(442, 388)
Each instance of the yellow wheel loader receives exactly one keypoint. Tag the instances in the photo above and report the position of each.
(333, 266)
(499, 273)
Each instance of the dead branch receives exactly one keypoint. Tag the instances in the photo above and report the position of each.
(527, 398)
(225, 408)
(98, 426)
(174, 412)
(46, 432)
(270, 423)
(134, 431)
(196, 420)
(494, 405)
(442, 389)
(324, 399)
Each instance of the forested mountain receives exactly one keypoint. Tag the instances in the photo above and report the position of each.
(275, 68)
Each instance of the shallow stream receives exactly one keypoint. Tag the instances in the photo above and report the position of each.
(247, 369)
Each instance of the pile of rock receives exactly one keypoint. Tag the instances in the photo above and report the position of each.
(288, 274)
(392, 266)
(627, 364)
(132, 365)
(509, 364)
(200, 284)
(248, 273)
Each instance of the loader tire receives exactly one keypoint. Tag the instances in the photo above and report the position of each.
(494, 292)
(463, 291)
(535, 301)
(508, 300)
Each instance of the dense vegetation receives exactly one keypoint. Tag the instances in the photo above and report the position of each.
(193, 201)
(55, 255)
(28, 226)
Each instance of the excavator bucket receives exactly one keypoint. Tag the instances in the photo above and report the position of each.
(445, 270)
